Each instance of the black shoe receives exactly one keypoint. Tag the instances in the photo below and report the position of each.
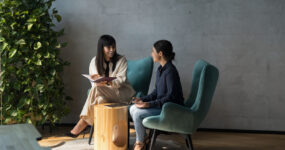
(72, 135)
(69, 134)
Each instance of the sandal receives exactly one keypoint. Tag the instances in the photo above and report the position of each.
(141, 146)
(145, 143)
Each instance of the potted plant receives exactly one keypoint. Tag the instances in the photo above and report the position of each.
(31, 87)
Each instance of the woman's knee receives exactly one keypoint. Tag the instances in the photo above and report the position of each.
(135, 113)
(132, 110)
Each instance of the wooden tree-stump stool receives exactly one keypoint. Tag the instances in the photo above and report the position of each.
(110, 126)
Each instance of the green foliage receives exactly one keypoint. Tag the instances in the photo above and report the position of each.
(31, 87)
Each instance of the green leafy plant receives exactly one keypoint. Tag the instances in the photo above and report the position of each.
(32, 90)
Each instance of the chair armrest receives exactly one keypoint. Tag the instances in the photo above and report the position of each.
(173, 118)
(172, 111)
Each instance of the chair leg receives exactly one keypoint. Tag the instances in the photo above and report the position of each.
(150, 134)
(128, 134)
(153, 138)
(91, 134)
(189, 142)
(149, 138)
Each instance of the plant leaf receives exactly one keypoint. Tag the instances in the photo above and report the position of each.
(47, 55)
(54, 11)
(53, 72)
(4, 45)
(12, 53)
(14, 113)
(32, 20)
(58, 45)
(27, 90)
(40, 87)
(29, 121)
(1, 89)
(21, 42)
(30, 26)
(39, 55)
(39, 62)
(25, 12)
(39, 45)
(2, 39)
(13, 24)
(58, 18)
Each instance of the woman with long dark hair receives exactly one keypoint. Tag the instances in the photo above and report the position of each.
(167, 89)
(107, 63)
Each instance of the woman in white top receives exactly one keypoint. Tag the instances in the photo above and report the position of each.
(107, 63)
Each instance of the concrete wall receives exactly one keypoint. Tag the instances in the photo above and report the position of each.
(244, 39)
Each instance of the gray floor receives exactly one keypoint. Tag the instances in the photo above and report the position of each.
(82, 144)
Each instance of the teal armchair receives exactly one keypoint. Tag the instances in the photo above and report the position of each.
(186, 119)
(139, 74)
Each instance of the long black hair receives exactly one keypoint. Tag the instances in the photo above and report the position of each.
(105, 40)
(166, 48)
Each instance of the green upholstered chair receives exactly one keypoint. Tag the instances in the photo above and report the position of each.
(139, 75)
(186, 119)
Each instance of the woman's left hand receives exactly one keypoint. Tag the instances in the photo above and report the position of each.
(142, 105)
(103, 83)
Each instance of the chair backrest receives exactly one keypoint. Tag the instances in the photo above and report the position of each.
(204, 81)
(139, 74)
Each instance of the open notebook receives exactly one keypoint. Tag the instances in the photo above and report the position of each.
(108, 79)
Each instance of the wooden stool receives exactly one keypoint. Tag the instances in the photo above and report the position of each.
(111, 126)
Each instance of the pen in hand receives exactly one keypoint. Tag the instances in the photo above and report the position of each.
(136, 100)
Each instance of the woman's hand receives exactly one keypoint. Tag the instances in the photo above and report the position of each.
(139, 103)
(103, 83)
(110, 83)
(95, 76)
(142, 105)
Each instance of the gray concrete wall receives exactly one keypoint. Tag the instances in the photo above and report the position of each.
(244, 39)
